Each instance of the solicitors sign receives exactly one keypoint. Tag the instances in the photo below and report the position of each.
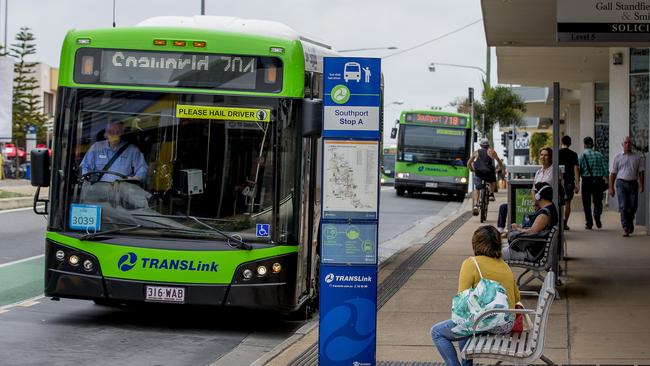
(603, 21)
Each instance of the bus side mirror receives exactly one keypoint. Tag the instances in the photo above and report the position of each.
(393, 133)
(312, 117)
(40, 168)
(40, 177)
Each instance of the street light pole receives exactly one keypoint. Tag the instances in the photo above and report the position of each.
(202, 7)
(432, 67)
(6, 17)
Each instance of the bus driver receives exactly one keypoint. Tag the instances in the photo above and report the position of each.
(129, 162)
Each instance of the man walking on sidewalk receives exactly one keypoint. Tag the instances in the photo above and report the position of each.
(571, 180)
(594, 173)
(628, 176)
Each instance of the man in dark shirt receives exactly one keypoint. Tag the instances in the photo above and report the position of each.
(571, 176)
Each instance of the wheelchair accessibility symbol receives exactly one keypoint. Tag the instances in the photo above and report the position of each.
(262, 230)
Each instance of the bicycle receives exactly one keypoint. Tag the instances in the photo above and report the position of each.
(484, 200)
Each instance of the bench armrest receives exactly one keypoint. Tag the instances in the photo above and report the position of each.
(523, 242)
(495, 311)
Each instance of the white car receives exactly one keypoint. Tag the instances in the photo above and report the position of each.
(352, 71)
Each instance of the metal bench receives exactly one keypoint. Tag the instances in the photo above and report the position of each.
(517, 348)
(548, 260)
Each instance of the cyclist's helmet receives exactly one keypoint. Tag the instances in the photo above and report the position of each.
(485, 142)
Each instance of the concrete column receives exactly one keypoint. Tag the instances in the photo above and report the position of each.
(587, 115)
(619, 101)
(572, 125)
(619, 106)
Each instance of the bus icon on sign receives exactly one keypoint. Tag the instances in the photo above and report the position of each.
(352, 71)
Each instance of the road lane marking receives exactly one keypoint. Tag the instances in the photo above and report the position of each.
(22, 260)
(21, 280)
(16, 209)
(6, 308)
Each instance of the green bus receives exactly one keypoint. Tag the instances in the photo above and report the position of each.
(432, 152)
(388, 164)
(225, 117)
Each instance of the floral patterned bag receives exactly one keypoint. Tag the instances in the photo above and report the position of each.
(468, 305)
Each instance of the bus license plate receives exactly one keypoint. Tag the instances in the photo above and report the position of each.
(165, 294)
(431, 185)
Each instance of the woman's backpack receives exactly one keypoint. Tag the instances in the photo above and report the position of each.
(468, 305)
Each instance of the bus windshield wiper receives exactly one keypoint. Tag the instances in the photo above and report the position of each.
(240, 243)
(112, 231)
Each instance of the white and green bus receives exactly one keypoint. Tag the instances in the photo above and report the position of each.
(226, 114)
(432, 152)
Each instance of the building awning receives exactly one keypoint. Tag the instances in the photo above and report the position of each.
(528, 53)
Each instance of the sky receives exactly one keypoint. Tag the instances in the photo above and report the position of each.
(343, 24)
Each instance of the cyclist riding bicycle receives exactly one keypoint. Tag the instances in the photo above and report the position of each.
(482, 164)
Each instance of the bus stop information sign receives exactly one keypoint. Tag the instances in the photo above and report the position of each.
(350, 206)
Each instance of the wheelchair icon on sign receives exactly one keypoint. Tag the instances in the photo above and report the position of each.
(262, 230)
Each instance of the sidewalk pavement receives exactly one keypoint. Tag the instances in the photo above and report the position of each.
(22, 186)
(601, 316)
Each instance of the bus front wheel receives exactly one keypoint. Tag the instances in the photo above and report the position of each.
(400, 192)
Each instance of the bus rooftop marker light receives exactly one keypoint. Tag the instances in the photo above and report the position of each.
(83, 40)
(179, 43)
(279, 50)
(199, 43)
(159, 42)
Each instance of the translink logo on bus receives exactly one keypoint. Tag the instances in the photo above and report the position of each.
(129, 260)
(225, 113)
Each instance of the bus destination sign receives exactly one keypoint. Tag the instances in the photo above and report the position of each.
(435, 119)
(178, 70)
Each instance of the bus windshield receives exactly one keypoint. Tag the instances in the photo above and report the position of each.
(171, 170)
(388, 161)
(439, 145)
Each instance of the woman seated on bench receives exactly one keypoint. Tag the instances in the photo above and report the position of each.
(541, 222)
(486, 244)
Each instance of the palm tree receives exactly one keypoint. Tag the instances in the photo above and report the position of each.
(499, 104)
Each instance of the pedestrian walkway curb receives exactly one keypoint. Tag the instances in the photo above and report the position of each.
(15, 202)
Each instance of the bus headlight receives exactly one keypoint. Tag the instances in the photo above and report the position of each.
(277, 267)
(402, 175)
(248, 274)
(261, 271)
(463, 180)
(73, 260)
(88, 265)
(60, 255)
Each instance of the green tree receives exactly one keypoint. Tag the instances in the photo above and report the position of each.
(537, 141)
(498, 104)
(27, 108)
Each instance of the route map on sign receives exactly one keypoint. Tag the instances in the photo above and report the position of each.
(350, 179)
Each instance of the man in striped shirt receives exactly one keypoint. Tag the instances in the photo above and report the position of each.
(628, 175)
(593, 171)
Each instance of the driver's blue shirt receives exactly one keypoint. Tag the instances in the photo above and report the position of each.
(130, 162)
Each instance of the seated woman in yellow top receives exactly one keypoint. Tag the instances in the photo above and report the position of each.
(486, 243)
